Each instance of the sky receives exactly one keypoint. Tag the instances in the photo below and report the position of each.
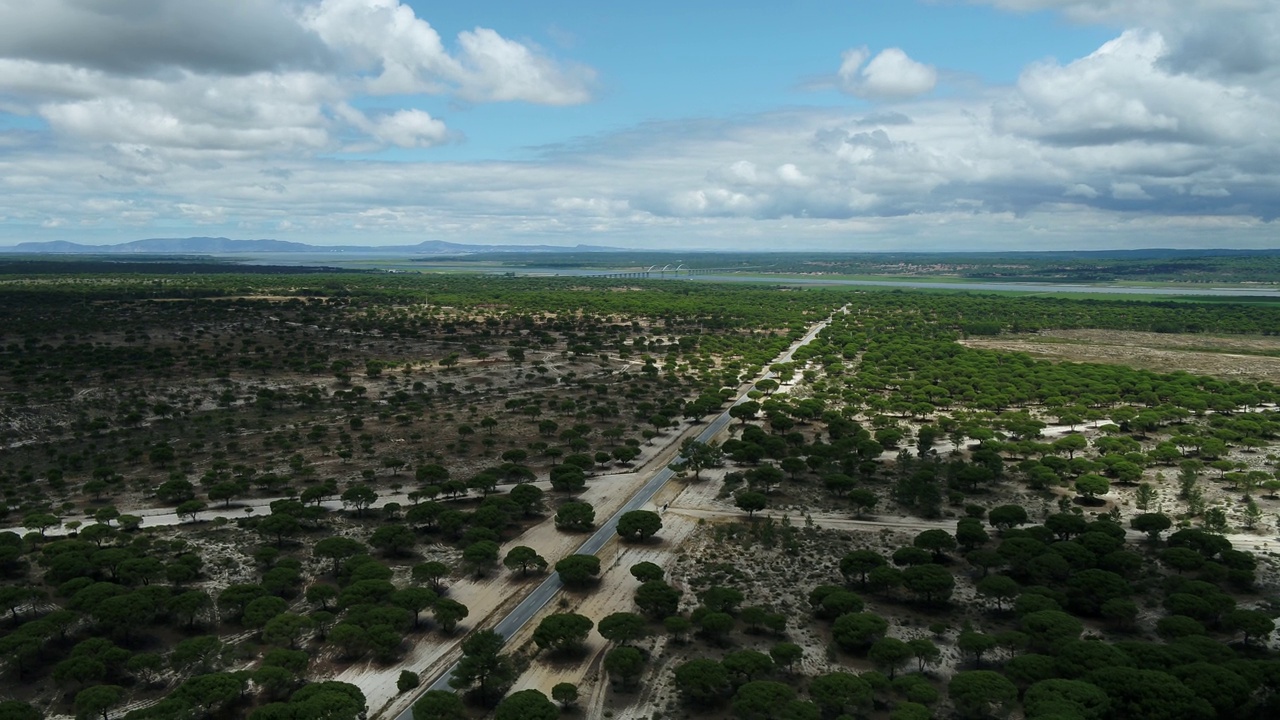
(853, 125)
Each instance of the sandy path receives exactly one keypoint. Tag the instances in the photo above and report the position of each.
(614, 593)
(607, 494)
(489, 599)
(689, 505)
(616, 588)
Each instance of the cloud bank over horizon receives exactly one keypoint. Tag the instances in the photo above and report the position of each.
(341, 121)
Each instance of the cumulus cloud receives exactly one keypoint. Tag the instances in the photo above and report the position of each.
(890, 74)
(408, 55)
(745, 174)
(410, 128)
(497, 69)
(150, 36)
(1123, 92)
(789, 174)
(819, 175)
(201, 82)
(1128, 191)
(1207, 37)
(203, 214)
(262, 112)
(403, 128)
(1131, 141)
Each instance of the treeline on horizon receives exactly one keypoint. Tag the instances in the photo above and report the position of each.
(87, 299)
(1085, 266)
(1158, 264)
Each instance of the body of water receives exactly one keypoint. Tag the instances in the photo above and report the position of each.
(373, 261)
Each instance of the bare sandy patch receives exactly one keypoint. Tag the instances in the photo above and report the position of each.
(1252, 357)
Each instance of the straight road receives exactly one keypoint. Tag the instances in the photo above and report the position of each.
(542, 594)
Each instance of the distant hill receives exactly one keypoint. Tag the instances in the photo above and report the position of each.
(433, 248)
(224, 246)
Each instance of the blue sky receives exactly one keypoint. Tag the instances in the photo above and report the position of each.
(673, 60)
(812, 125)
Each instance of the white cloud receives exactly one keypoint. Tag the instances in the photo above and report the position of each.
(1128, 191)
(1131, 142)
(851, 61)
(745, 174)
(404, 128)
(890, 74)
(1105, 93)
(410, 128)
(742, 172)
(1123, 92)
(262, 112)
(183, 82)
(1210, 192)
(791, 175)
(815, 176)
(712, 202)
(592, 206)
(500, 69)
(410, 57)
(203, 214)
(1218, 38)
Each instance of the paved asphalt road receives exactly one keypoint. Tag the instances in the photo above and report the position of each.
(542, 594)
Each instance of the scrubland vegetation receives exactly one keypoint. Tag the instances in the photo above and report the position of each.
(226, 491)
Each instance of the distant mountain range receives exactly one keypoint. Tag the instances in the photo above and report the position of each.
(222, 246)
(440, 248)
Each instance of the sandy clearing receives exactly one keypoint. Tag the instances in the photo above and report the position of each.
(1198, 354)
